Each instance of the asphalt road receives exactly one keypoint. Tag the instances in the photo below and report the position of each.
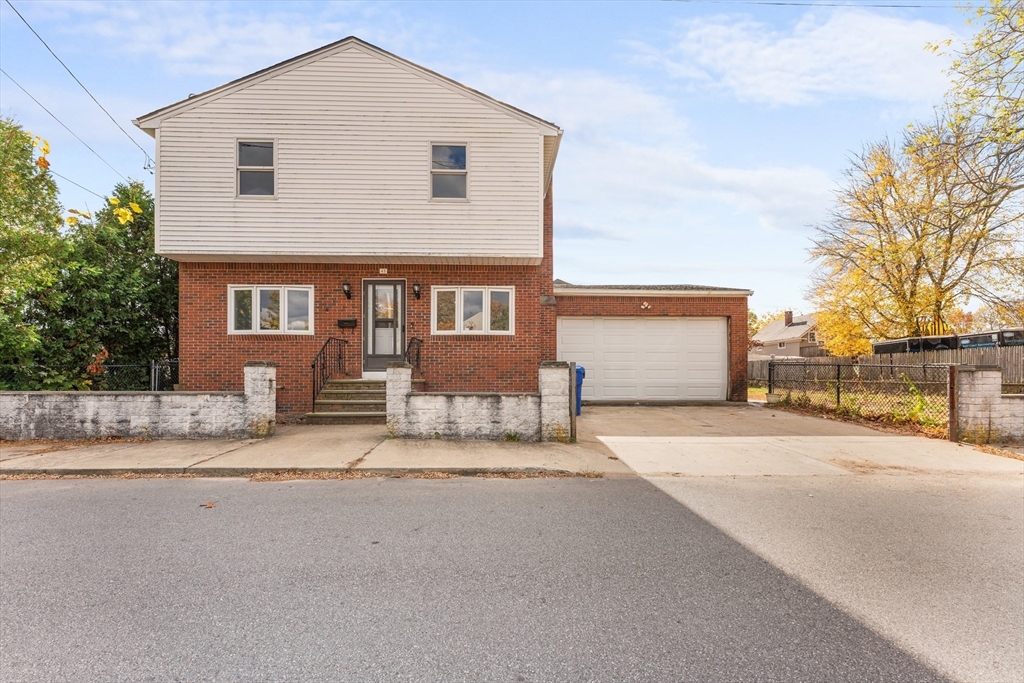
(403, 579)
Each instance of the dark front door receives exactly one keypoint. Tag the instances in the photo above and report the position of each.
(383, 323)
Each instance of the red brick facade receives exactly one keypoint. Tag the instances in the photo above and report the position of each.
(734, 308)
(211, 358)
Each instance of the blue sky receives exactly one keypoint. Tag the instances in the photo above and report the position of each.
(702, 139)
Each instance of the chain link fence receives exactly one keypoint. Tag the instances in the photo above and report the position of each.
(159, 375)
(897, 393)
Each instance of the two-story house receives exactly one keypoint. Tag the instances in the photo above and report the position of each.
(351, 194)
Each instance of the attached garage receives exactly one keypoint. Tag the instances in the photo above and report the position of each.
(655, 359)
(661, 343)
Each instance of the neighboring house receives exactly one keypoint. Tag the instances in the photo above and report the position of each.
(348, 193)
(789, 336)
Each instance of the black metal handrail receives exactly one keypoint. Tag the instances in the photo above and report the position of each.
(330, 360)
(412, 352)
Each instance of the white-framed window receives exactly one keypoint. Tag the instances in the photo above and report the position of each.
(473, 310)
(782, 345)
(255, 161)
(812, 337)
(270, 309)
(449, 171)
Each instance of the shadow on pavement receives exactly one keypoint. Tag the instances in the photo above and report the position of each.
(399, 579)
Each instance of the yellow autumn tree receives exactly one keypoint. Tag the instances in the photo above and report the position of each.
(920, 229)
(929, 226)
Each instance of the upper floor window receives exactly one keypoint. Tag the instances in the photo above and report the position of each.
(256, 168)
(782, 345)
(448, 172)
(270, 309)
(812, 337)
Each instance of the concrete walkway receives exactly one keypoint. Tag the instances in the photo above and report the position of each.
(309, 448)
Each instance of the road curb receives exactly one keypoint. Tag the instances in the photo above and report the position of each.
(226, 472)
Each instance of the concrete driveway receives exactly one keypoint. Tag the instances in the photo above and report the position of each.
(920, 540)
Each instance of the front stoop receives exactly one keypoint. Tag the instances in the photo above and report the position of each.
(351, 401)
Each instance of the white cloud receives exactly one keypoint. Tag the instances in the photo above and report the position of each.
(230, 39)
(852, 53)
(628, 159)
(584, 102)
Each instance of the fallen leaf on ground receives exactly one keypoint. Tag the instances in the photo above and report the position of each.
(210, 504)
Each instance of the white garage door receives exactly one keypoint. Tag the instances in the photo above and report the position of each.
(648, 358)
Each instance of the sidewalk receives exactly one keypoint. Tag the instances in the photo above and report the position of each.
(307, 449)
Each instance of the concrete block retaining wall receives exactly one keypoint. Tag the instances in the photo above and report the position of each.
(150, 414)
(983, 413)
(475, 415)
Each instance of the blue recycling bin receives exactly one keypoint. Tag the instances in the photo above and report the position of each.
(580, 374)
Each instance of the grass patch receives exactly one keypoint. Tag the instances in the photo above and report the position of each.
(883, 423)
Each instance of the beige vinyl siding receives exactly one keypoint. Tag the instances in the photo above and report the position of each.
(352, 132)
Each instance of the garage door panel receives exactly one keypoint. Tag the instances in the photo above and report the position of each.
(620, 341)
(708, 359)
(618, 391)
(664, 358)
(703, 376)
(578, 340)
(704, 324)
(612, 358)
(705, 393)
(572, 324)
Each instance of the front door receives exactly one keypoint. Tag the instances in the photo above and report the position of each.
(383, 323)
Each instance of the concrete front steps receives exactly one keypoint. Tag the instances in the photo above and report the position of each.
(351, 401)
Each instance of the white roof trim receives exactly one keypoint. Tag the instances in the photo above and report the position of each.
(550, 169)
(575, 291)
(151, 121)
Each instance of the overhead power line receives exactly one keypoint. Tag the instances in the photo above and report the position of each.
(66, 68)
(54, 116)
(77, 185)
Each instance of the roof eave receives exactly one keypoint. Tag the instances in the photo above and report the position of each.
(550, 169)
(596, 291)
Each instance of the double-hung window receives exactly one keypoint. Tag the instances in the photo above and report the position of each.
(473, 310)
(256, 168)
(270, 309)
(449, 173)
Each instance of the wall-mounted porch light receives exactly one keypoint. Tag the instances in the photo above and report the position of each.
(347, 288)
(416, 290)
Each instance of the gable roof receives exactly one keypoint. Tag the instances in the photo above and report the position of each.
(777, 331)
(151, 121)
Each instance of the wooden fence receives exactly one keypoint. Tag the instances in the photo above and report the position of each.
(1009, 358)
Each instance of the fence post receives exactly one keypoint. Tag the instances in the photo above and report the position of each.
(154, 381)
(954, 429)
(572, 401)
(839, 377)
(771, 377)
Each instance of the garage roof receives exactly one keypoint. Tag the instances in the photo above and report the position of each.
(567, 289)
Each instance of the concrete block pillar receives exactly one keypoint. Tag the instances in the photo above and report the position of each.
(555, 400)
(398, 385)
(983, 414)
(261, 398)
